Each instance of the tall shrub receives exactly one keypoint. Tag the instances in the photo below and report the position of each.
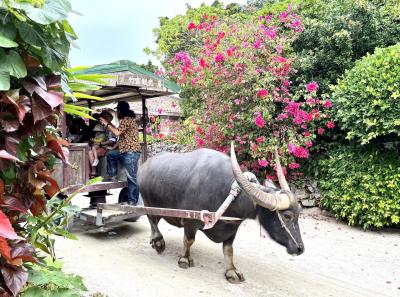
(366, 99)
(361, 185)
(239, 75)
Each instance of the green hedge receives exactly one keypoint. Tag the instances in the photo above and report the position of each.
(367, 99)
(361, 185)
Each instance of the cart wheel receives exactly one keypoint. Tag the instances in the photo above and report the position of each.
(123, 197)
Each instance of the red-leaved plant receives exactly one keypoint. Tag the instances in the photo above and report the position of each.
(28, 146)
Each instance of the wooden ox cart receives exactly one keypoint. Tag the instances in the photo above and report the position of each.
(130, 83)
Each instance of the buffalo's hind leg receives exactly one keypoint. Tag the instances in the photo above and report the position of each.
(231, 274)
(156, 240)
(190, 229)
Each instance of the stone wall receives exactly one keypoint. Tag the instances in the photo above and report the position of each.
(306, 191)
(158, 147)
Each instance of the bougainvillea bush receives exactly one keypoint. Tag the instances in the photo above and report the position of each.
(239, 75)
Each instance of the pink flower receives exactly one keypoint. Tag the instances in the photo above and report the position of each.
(294, 165)
(219, 57)
(312, 87)
(254, 147)
(310, 101)
(230, 51)
(194, 81)
(199, 130)
(263, 163)
(260, 139)
(307, 134)
(280, 59)
(282, 116)
(148, 130)
(283, 16)
(257, 44)
(191, 26)
(159, 72)
(237, 101)
(279, 48)
(202, 63)
(159, 110)
(321, 131)
(327, 104)
(330, 125)
(200, 142)
(271, 32)
(309, 143)
(262, 93)
(221, 35)
(298, 151)
(259, 121)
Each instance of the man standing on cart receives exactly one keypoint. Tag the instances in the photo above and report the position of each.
(128, 149)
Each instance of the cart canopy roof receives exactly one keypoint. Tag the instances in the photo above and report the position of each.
(129, 81)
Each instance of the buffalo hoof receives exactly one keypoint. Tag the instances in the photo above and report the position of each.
(185, 262)
(158, 244)
(233, 276)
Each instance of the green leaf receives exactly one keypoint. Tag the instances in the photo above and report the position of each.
(42, 247)
(4, 81)
(66, 234)
(77, 112)
(8, 30)
(13, 64)
(51, 11)
(16, 65)
(85, 96)
(52, 59)
(6, 42)
(30, 34)
(69, 29)
(23, 147)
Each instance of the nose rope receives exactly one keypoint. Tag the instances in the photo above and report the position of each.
(287, 229)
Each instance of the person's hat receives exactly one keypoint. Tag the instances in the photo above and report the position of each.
(98, 128)
(122, 105)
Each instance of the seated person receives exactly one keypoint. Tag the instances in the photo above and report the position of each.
(102, 142)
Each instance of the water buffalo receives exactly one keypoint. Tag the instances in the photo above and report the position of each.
(201, 180)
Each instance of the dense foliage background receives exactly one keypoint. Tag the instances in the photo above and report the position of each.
(336, 50)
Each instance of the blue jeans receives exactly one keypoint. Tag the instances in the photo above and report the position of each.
(130, 162)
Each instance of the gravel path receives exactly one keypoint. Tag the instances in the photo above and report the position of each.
(338, 261)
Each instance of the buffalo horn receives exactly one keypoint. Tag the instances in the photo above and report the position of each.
(281, 177)
(279, 201)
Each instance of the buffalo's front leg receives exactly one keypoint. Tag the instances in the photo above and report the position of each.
(231, 274)
(185, 261)
(156, 240)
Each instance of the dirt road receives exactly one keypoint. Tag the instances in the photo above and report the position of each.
(338, 261)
